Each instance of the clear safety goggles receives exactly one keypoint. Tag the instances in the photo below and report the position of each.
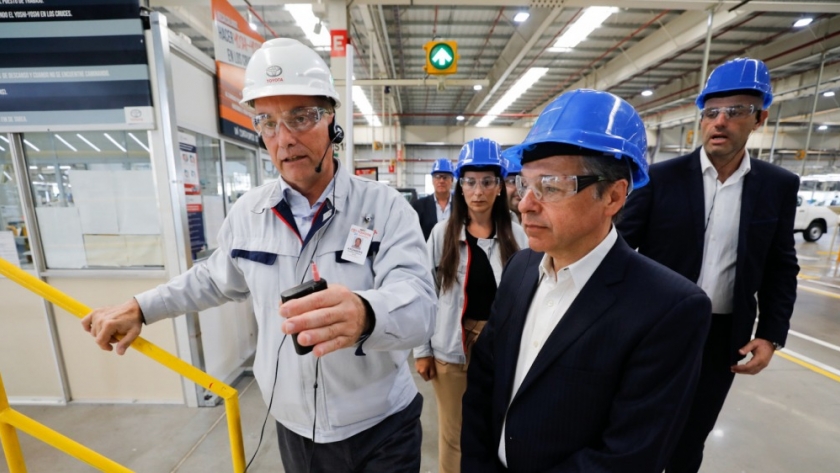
(736, 111)
(298, 120)
(554, 188)
(470, 183)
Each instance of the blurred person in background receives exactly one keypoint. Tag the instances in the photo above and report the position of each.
(513, 168)
(436, 207)
(468, 253)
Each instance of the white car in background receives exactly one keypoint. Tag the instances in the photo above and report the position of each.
(813, 220)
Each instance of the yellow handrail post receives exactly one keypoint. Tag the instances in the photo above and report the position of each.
(8, 436)
(149, 349)
(237, 447)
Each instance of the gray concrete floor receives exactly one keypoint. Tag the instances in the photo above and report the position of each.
(785, 420)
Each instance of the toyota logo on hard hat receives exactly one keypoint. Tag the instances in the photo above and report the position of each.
(274, 71)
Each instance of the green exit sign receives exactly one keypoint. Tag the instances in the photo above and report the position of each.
(441, 57)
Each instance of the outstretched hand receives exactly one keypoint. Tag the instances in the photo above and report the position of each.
(328, 320)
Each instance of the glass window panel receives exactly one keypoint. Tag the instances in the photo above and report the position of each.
(95, 198)
(240, 171)
(12, 226)
(267, 169)
(210, 179)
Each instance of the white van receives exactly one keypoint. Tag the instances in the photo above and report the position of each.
(814, 220)
(820, 189)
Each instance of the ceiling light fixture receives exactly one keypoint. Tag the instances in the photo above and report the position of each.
(822, 127)
(4, 139)
(2, 148)
(521, 16)
(31, 145)
(66, 143)
(647, 93)
(524, 83)
(591, 19)
(361, 101)
(142, 145)
(306, 21)
(115, 142)
(828, 93)
(477, 87)
(88, 142)
(460, 118)
(802, 22)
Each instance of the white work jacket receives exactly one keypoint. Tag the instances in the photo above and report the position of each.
(447, 342)
(260, 253)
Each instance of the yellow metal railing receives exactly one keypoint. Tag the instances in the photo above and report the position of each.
(10, 418)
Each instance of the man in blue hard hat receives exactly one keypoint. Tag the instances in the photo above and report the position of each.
(435, 207)
(724, 220)
(592, 352)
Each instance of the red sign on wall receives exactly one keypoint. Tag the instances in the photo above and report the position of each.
(338, 40)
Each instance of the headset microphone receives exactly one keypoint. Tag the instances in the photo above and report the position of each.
(318, 167)
(336, 137)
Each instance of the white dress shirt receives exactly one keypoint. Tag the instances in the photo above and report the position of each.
(301, 210)
(555, 294)
(720, 247)
(443, 213)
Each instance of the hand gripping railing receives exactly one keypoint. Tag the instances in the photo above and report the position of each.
(9, 419)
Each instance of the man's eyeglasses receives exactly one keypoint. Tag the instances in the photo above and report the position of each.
(736, 111)
(441, 176)
(470, 183)
(298, 120)
(554, 188)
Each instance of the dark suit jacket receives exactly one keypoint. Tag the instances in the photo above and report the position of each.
(425, 209)
(665, 220)
(611, 388)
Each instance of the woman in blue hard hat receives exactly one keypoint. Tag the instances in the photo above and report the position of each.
(468, 252)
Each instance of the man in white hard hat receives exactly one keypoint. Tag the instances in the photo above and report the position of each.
(379, 302)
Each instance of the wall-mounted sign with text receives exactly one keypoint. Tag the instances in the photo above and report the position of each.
(73, 65)
(234, 43)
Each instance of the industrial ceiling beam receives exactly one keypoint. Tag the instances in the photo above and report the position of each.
(519, 45)
(417, 82)
(684, 32)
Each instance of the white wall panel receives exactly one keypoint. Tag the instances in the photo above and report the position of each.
(196, 105)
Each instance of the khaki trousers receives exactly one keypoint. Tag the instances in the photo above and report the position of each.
(450, 383)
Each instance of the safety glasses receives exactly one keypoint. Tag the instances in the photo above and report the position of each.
(470, 183)
(731, 113)
(554, 188)
(298, 120)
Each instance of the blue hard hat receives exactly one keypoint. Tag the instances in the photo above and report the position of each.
(512, 166)
(443, 165)
(480, 153)
(738, 74)
(595, 121)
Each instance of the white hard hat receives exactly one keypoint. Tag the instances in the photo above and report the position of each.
(284, 66)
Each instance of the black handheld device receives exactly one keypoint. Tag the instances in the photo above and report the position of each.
(297, 292)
